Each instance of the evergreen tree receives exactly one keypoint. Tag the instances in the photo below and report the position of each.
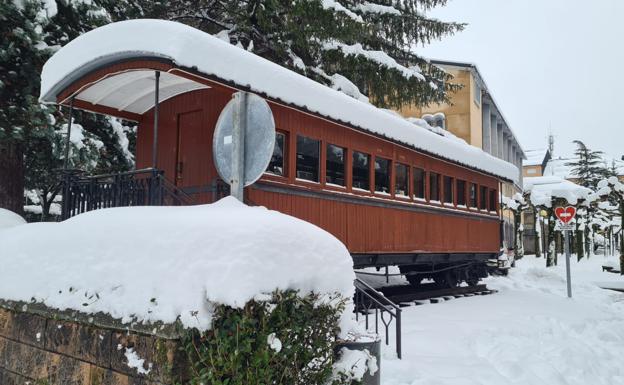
(588, 166)
(352, 45)
(32, 136)
(20, 117)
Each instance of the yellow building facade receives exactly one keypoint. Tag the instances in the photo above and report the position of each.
(474, 116)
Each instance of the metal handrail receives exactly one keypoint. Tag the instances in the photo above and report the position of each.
(177, 193)
(144, 187)
(368, 298)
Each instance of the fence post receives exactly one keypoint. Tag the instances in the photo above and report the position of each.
(398, 332)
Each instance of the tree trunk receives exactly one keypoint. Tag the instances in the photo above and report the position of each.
(579, 245)
(551, 257)
(587, 242)
(622, 236)
(519, 249)
(12, 177)
(538, 237)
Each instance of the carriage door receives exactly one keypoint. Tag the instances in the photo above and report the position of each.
(190, 160)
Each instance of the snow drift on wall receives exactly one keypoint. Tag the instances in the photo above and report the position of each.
(161, 263)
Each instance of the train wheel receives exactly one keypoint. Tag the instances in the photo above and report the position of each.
(447, 279)
(414, 279)
(472, 281)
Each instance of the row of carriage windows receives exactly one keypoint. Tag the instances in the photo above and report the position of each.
(442, 188)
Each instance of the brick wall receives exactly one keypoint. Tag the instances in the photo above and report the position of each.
(41, 349)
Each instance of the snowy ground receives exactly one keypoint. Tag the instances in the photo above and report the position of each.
(528, 333)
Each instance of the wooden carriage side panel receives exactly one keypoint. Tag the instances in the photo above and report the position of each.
(363, 227)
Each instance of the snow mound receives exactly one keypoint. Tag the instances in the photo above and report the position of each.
(9, 219)
(146, 264)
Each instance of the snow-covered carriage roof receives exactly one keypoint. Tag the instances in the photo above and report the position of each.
(189, 48)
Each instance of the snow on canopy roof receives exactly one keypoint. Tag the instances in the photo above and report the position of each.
(534, 157)
(191, 48)
(160, 263)
(544, 189)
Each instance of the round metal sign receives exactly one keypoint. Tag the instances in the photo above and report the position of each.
(259, 139)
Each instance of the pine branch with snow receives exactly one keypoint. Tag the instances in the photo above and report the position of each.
(363, 48)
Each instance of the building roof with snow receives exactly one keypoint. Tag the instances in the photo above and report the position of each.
(537, 157)
(199, 54)
(559, 167)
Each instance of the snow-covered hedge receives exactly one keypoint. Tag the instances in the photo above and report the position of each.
(257, 290)
(9, 219)
(146, 264)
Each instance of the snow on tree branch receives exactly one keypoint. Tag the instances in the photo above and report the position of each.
(379, 57)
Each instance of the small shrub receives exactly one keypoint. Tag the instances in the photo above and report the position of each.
(284, 339)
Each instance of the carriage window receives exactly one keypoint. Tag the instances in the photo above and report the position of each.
(483, 194)
(335, 163)
(461, 192)
(276, 165)
(361, 170)
(448, 190)
(419, 183)
(401, 180)
(307, 159)
(492, 200)
(434, 186)
(473, 195)
(382, 175)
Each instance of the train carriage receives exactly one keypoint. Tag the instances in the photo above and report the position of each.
(394, 192)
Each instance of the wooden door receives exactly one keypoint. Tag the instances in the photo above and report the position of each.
(192, 154)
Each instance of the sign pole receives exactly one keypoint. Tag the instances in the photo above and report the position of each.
(567, 252)
(237, 181)
(566, 216)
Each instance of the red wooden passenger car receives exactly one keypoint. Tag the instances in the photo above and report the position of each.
(338, 163)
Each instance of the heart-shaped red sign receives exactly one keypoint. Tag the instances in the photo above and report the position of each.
(565, 214)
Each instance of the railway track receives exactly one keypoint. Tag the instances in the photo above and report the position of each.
(406, 295)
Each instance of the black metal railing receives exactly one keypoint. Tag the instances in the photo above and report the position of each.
(145, 187)
(369, 301)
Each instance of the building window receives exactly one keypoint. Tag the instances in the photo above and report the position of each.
(401, 180)
(434, 187)
(419, 183)
(335, 163)
(361, 171)
(483, 196)
(461, 192)
(308, 158)
(473, 195)
(276, 165)
(477, 93)
(492, 200)
(382, 175)
(448, 190)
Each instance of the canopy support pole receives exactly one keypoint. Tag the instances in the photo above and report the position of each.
(67, 140)
(156, 101)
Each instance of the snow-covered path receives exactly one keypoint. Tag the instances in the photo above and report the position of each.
(528, 333)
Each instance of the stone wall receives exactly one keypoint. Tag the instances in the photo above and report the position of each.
(43, 348)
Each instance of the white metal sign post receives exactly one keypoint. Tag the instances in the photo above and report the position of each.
(565, 216)
(237, 180)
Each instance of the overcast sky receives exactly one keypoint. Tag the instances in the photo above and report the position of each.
(549, 64)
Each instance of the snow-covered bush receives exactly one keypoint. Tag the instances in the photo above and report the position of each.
(284, 338)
